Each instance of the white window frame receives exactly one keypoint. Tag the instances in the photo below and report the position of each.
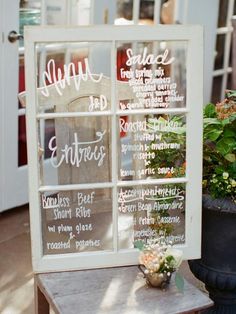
(193, 110)
(227, 31)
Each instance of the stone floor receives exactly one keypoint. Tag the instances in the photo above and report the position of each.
(16, 279)
(16, 276)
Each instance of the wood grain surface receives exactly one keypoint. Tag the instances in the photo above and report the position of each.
(120, 290)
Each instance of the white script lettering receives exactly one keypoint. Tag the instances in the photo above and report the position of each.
(145, 58)
(63, 78)
(75, 154)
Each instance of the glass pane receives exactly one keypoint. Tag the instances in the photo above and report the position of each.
(155, 73)
(146, 212)
(22, 145)
(124, 11)
(230, 81)
(48, 126)
(78, 152)
(219, 59)
(216, 89)
(223, 10)
(74, 75)
(30, 14)
(151, 147)
(146, 12)
(77, 221)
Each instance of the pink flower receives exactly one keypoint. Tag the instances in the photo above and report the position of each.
(151, 260)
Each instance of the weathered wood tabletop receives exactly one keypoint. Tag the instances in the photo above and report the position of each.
(120, 290)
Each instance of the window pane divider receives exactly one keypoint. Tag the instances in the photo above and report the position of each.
(72, 114)
(227, 46)
(69, 187)
(224, 30)
(152, 182)
(109, 113)
(152, 111)
(114, 147)
(222, 71)
(157, 12)
(136, 10)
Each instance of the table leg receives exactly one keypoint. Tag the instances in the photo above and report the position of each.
(41, 303)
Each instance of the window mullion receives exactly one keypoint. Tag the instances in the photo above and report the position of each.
(114, 152)
(227, 48)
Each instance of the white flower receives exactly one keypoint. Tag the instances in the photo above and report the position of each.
(177, 254)
(233, 183)
(225, 175)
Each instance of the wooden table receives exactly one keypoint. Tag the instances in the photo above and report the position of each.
(120, 290)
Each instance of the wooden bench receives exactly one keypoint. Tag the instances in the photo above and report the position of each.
(120, 290)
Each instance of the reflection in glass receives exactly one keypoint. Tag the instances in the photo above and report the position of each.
(155, 72)
(78, 152)
(28, 16)
(77, 221)
(73, 70)
(146, 212)
(152, 146)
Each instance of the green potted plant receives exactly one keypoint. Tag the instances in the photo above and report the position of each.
(217, 266)
(171, 158)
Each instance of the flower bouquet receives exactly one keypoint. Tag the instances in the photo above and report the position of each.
(158, 260)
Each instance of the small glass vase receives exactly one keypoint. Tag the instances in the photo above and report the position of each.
(157, 280)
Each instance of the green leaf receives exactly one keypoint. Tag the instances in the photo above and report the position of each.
(179, 282)
(219, 170)
(139, 245)
(232, 168)
(225, 145)
(170, 258)
(210, 111)
(180, 130)
(226, 121)
(212, 134)
(232, 117)
(208, 121)
(229, 133)
(230, 157)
